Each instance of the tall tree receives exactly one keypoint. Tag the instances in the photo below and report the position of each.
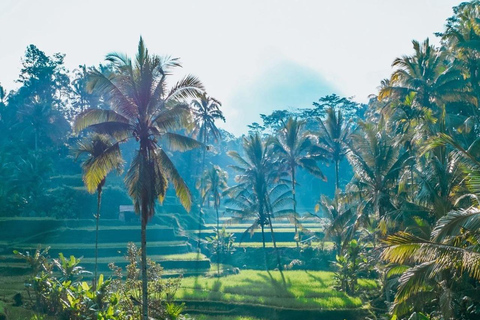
(143, 109)
(434, 82)
(103, 156)
(260, 190)
(291, 145)
(215, 183)
(334, 134)
(206, 110)
(377, 166)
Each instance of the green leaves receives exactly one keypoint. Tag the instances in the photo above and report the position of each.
(144, 109)
(103, 156)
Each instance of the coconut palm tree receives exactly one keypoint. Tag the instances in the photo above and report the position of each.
(462, 38)
(377, 165)
(215, 183)
(103, 156)
(206, 110)
(145, 110)
(426, 74)
(292, 145)
(334, 134)
(341, 220)
(438, 270)
(261, 191)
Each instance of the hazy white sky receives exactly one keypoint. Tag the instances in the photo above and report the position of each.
(253, 55)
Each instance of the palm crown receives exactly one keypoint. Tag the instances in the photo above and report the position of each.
(144, 109)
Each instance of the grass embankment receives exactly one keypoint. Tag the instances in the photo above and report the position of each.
(276, 230)
(326, 245)
(304, 290)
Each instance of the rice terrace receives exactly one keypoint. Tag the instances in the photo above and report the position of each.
(240, 161)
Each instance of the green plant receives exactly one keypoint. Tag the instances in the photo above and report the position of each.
(221, 245)
(67, 297)
(348, 265)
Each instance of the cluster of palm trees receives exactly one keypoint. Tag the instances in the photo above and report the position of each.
(415, 157)
(143, 109)
(414, 194)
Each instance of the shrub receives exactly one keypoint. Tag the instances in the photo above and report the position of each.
(56, 288)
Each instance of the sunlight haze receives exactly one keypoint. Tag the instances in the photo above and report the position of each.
(235, 48)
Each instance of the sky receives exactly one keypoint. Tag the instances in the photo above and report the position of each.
(255, 56)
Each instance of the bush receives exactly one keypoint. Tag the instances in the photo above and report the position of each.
(66, 296)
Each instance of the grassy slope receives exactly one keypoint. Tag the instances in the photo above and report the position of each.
(305, 290)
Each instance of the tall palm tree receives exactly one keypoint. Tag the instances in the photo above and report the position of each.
(462, 38)
(334, 134)
(426, 74)
(434, 82)
(206, 110)
(103, 156)
(291, 145)
(377, 166)
(215, 184)
(143, 109)
(260, 191)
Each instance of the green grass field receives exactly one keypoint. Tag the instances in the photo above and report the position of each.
(304, 290)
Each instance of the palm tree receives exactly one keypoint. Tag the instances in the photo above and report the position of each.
(437, 270)
(143, 109)
(377, 165)
(206, 110)
(342, 218)
(462, 37)
(426, 74)
(291, 145)
(215, 184)
(260, 191)
(334, 135)
(103, 156)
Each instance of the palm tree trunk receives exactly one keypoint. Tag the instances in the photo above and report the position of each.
(337, 169)
(144, 261)
(264, 248)
(279, 261)
(295, 206)
(145, 214)
(99, 202)
(218, 239)
(201, 202)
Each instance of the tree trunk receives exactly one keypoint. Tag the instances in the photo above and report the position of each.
(218, 240)
(201, 204)
(99, 202)
(144, 261)
(279, 261)
(295, 206)
(264, 248)
(145, 214)
(337, 169)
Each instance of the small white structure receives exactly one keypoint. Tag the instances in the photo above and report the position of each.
(126, 213)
